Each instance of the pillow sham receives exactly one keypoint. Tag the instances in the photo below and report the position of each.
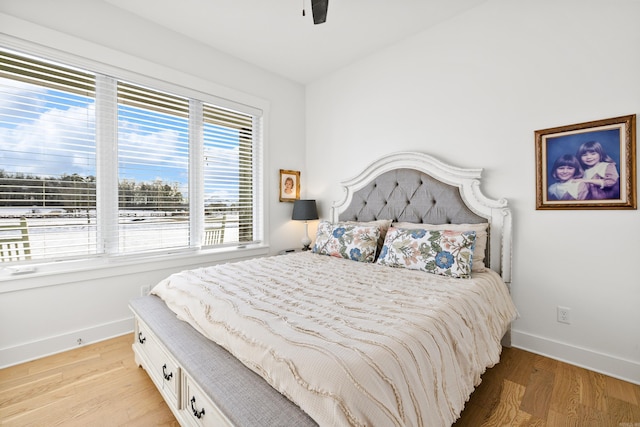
(444, 252)
(347, 240)
(382, 224)
(480, 249)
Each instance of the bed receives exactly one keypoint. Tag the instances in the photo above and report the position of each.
(391, 319)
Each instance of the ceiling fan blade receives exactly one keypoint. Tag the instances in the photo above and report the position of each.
(319, 9)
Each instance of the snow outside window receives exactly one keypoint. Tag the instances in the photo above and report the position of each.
(98, 166)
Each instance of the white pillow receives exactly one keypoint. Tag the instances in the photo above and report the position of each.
(480, 249)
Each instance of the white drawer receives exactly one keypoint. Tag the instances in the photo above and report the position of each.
(197, 409)
(162, 369)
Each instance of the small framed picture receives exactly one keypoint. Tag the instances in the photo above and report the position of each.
(587, 165)
(289, 185)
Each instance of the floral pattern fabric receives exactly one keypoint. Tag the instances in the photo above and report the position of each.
(382, 224)
(445, 252)
(347, 240)
(477, 262)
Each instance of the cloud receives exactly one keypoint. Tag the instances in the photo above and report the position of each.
(143, 154)
(221, 167)
(18, 98)
(50, 133)
(46, 140)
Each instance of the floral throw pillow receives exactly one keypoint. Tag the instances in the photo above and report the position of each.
(481, 237)
(382, 224)
(347, 240)
(446, 252)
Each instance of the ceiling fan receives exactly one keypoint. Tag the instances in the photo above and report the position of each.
(319, 10)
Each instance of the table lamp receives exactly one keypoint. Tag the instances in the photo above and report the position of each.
(305, 210)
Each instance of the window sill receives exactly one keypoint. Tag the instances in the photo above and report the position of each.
(65, 272)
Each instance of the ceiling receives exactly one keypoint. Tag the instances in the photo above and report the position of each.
(274, 35)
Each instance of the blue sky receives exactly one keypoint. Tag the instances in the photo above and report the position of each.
(54, 135)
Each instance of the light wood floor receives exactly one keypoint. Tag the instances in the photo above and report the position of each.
(100, 385)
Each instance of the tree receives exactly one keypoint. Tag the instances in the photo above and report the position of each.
(76, 192)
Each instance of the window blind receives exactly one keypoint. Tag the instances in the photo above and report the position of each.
(229, 172)
(48, 155)
(153, 169)
(101, 166)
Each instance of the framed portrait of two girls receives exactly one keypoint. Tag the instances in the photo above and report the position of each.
(588, 165)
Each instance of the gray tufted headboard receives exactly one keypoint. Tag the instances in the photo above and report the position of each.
(415, 187)
(412, 196)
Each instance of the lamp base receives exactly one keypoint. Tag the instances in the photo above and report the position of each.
(306, 241)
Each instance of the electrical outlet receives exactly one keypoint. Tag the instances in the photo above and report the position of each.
(144, 290)
(564, 315)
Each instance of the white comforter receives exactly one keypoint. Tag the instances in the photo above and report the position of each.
(351, 343)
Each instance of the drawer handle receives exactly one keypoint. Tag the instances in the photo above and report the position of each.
(141, 339)
(196, 413)
(164, 372)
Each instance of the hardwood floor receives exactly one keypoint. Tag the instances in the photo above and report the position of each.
(525, 389)
(100, 385)
(96, 385)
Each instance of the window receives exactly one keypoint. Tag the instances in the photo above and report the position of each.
(100, 166)
(153, 169)
(48, 155)
(228, 169)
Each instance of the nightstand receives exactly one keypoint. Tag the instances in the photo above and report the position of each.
(289, 251)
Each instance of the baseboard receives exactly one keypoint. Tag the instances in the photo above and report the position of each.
(52, 345)
(623, 369)
(607, 364)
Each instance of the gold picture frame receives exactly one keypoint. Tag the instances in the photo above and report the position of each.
(588, 165)
(289, 185)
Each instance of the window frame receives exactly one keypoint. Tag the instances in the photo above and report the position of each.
(198, 89)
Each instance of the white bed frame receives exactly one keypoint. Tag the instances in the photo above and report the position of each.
(496, 212)
(188, 390)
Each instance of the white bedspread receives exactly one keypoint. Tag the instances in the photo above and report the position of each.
(351, 343)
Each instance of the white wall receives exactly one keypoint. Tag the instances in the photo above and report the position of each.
(472, 91)
(46, 314)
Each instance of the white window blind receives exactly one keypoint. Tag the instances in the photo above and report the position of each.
(48, 156)
(100, 166)
(229, 173)
(153, 169)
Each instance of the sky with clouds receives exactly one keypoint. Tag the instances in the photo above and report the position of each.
(45, 132)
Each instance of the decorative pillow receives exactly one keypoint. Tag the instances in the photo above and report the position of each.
(347, 240)
(448, 253)
(481, 237)
(382, 224)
